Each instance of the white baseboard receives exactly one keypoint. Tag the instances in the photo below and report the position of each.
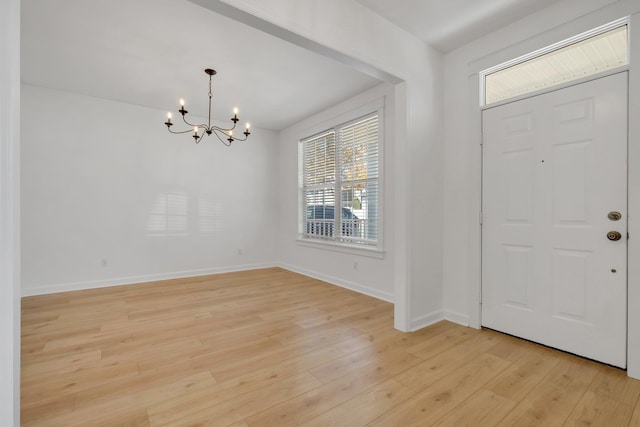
(119, 281)
(632, 371)
(426, 320)
(455, 317)
(385, 296)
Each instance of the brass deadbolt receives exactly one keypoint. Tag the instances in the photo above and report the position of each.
(614, 235)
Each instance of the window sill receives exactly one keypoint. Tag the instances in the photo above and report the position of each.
(341, 247)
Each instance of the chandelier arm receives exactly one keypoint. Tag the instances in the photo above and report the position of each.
(184, 131)
(200, 138)
(227, 143)
(238, 138)
(193, 125)
(224, 129)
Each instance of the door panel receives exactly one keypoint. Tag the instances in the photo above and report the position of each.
(554, 166)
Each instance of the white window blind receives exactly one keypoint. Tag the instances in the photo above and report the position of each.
(340, 174)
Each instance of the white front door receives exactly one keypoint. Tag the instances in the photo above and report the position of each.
(554, 179)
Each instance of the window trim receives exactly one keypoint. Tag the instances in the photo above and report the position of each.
(332, 125)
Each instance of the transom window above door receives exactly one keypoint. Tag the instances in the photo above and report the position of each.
(593, 52)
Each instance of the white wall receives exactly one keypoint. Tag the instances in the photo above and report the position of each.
(10, 213)
(110, 197)
(347, 31)
(371, 275)
(462, 160)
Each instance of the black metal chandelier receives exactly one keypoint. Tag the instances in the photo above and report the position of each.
(225, 135)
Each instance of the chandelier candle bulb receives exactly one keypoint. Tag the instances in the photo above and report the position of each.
(182, 110)
(209, 128)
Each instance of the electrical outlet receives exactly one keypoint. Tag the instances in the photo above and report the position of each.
(103, 262)
(355, 265)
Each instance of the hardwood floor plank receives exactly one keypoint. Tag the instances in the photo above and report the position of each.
(376, 355)
(368, 338)
(552, 400)
(438, 399)
(511, 348)
(611, 398)
(483, 408)
(635, 418)
(305, 361)
(43, 412)
(121, 418)
(70, 383)
(435, 344)
(38, 365)
(363, 408)
(352, 310)
(524, 374)
(615, 384)
(594, 410)
(140, 392)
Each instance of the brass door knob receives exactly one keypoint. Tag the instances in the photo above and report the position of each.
(614, 236)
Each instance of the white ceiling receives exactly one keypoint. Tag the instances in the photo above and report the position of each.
(449, 24)
(153, 52)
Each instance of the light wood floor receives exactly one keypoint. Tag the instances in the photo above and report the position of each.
(273, 348)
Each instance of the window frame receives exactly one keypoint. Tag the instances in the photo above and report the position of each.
(334, 125)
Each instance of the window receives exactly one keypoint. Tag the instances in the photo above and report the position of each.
(340, 183)
(604, 48)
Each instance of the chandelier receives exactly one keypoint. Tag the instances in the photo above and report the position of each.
(225, 135)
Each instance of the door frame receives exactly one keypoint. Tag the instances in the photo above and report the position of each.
(633, 167)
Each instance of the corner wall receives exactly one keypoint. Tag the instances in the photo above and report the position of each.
(10, 213)
(110, 197)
